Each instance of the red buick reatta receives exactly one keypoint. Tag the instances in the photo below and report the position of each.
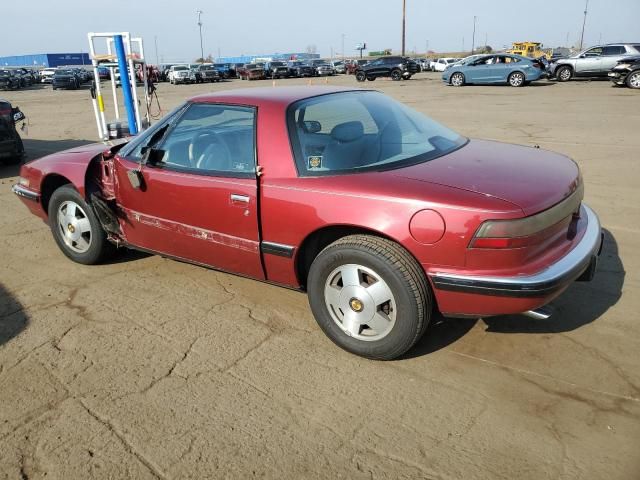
(381, 214)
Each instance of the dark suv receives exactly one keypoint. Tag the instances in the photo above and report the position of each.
(276, 70)
(11, 148)
(395, 67)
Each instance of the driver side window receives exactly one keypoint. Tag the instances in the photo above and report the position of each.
(594, 52)
(212, 139)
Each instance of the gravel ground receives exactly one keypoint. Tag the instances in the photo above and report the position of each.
(149, 368)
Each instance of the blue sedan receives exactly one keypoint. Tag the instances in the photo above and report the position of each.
(513, 70)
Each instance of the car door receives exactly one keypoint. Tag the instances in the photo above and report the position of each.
(198, 195)
(480, 70)
(589, 62)
(610, 56)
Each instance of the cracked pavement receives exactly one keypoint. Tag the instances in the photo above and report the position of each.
(149, 368)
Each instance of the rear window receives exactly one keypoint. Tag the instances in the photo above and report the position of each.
(637, 47)
(363, 131)
(614, 50)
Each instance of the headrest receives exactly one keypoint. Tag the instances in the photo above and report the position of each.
(348, 131)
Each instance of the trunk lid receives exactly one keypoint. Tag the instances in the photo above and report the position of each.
(530, 178)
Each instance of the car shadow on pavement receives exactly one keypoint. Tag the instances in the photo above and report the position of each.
(13, 320)
(581, 304)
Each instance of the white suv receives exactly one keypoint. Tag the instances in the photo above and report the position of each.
(441, 64)
(593, 62)
(46, 75)
(181, 74)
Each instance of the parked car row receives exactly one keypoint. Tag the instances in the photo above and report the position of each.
(619, 62)
(70, 78)
(15, 78)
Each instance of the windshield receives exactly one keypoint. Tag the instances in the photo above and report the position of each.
(64, 72)
(178, 69)
(363, 131)
(4, 73)
(278, 64)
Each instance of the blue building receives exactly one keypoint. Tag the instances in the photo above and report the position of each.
(283, 57)
(46, 60)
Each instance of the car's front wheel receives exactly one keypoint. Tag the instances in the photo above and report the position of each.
(457, 79)
(360, 76)
(75, 227)
(564, 74)
(633, 79)
(369, 296)
(516, 79)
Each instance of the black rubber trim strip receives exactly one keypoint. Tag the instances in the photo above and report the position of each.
(540, 289)
(277, 249)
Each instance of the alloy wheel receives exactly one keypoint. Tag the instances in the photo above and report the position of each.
(74, 226)
(634, 80)
(516, 79)
(457, 79)
(360, 302)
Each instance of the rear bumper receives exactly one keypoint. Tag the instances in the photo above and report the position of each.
(510, 293)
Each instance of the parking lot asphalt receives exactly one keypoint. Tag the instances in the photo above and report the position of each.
(149, 368)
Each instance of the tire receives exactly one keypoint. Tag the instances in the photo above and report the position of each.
(516, 79)
(404, 311)
(457, 79)
(396, 75)
(360, 76)
(564, 74)
(633, 80)
(371, 79)
(83, 240)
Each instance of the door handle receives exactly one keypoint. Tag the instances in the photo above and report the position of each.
(237, 199)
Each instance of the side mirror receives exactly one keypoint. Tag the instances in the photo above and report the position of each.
(583, 55)
(312, 126)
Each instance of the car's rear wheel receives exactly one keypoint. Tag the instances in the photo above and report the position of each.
(396, 75)
(369, 296)
(75, 227)
(633, 79)
(516, 79)
(360, 76)
(457, 79)
(564, 74)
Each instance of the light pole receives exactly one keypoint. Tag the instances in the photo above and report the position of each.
(200, 12)
(584, 21)
(343, 35)
(404, 15)
(473, 37)
(155, 39)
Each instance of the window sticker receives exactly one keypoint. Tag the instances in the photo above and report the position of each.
(315, 162)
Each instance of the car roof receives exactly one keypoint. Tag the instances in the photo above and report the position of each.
(269, 95)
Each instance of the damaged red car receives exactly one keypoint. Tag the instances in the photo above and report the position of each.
(379, 213)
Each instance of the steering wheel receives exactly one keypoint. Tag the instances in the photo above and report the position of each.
(212, 138)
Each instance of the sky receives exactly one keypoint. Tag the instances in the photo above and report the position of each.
(236, 27)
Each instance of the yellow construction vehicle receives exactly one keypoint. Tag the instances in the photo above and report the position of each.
(530, 49)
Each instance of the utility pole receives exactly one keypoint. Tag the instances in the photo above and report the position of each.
(343, 35)
(404, 15)
(155, 39)
(473, 37)
(200, 12)
(584, 22)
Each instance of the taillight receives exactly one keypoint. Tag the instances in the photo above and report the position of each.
(527, 231)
